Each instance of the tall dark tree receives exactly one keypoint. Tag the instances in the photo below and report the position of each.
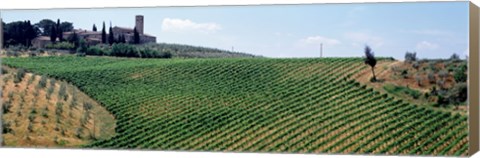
(136, 36)
(370, 60)
(123, 39)
(59, 31)
(53, 34)
(455, 57)
(111, 37)
(66, 26)
(45, 26)
(30, 33)
(74, 39)
(19, 33)
(6, 35)
(104, 34)
(94, 29)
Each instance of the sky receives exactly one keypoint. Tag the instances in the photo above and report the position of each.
(432, 29)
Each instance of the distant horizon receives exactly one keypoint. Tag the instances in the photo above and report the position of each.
(435, 30)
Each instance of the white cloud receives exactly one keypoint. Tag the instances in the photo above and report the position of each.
(424, 45)
(361, 39)
(186, 25)
(319, 39)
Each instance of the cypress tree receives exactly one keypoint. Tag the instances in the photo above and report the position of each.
(136, 36)
(370, 60)
(30, 33)
(104, 34)
(111, 37)
(74, 39)
(123, 39)
(59, 31)
(53, 35)
(94, 29)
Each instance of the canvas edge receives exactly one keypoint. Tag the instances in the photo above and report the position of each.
(473, 74)
(1, 101)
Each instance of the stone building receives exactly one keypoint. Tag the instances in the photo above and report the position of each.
(92, 37)
(41, 42)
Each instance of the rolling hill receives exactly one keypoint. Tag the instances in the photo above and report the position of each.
(253, 105)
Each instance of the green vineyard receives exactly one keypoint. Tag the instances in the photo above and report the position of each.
(253, 105)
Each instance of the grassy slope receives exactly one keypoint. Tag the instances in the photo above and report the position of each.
(260, 105)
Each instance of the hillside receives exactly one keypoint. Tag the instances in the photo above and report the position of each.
(253, 105)
(175, 50)
(42, 112)
(188, 51)
(421, 82)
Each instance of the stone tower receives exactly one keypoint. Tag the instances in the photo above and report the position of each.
(139, 24)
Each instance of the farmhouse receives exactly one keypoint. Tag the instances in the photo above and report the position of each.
(95, 37)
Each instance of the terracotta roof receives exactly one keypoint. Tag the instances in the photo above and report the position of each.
(147, 35)
(123, 28)
(93, 39)
(82, 32)
(43, 38)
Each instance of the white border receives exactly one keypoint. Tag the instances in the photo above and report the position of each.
(74, 153)
(37, 4)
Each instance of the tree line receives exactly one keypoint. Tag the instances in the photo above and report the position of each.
(23, 32)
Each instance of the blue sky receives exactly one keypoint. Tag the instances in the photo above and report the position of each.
(432, 29)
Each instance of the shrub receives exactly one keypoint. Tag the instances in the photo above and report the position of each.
(30, 127)
(62, 92)
(30, 80)
(460, 76)
(7, 127)
(32, 53)
(416, 65)
(79, 132)
(82, 48)
(4, 71)
(443, 74)
(410, 57)
(81, 54)
(43, 82)
(61, 45)
(454, 57)
(52, 82)
(441, 83)
(458, 93)
(419, 80)
(41, 50)
(7, 105)
(124, 50)
(87, 106)
(431, 65)
(13, 53)
(431, 77)
(59, 109)
(405, 73)
(19, 76)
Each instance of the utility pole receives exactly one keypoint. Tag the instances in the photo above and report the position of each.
(232, 49)
(321, 50)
